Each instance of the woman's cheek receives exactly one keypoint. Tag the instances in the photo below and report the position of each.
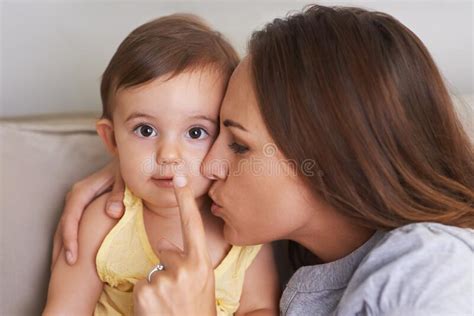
(240, 217)
(241, 234)
(254, 217)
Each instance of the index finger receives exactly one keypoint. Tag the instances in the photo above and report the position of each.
(194, 237)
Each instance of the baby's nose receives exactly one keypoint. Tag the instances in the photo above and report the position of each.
(168, 153)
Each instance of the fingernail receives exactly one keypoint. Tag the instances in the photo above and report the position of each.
(69, 256)
(179, 181)
(115, 208)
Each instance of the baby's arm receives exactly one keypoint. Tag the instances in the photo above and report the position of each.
(74, 290)
(261, 292)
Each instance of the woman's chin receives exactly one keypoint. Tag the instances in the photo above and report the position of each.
(233, 237)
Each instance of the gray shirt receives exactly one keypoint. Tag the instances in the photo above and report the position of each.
(417, 269)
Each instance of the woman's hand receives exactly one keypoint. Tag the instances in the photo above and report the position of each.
(186, 286)
(81, 194)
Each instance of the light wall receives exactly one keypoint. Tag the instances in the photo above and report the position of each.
(53, 52)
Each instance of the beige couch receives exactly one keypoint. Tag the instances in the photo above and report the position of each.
(40, 158)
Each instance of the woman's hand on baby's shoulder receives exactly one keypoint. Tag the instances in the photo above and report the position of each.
(77, 199)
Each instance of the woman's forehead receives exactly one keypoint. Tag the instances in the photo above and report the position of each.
(240, 102)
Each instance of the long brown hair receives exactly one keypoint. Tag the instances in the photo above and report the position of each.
(168, 45)
(358, 93)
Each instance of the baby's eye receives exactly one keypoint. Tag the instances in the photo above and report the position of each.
(198, 133)
(144, 130)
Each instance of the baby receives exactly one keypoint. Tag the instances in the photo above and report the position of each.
(161, 94)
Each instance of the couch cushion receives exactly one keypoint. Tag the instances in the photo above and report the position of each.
(40, 159)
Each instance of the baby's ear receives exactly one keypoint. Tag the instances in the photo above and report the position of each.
(105, 129)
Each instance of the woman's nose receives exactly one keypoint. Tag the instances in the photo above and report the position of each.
(215, 165)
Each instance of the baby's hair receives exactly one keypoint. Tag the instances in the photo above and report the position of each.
(169, 45)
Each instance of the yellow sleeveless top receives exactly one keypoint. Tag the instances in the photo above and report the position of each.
(126, 256)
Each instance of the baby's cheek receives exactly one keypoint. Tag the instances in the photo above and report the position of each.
(200, 185)
(135, 168)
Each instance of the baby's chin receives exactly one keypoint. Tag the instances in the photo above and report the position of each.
(160, 199)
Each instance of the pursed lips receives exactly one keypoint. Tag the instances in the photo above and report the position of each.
(216, 207)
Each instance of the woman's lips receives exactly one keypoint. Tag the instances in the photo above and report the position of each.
(163, 183)
(216, 209)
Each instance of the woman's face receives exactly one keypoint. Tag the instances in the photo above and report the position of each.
(257, 192)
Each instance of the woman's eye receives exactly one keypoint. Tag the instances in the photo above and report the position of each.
(237, 148)
(198, 133)
(145, 131)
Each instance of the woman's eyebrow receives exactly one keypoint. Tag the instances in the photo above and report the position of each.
(230, 123)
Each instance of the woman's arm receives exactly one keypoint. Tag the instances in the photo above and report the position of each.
(81, 194)
(261, 291)
(74, 290)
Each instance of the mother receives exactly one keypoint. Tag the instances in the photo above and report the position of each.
(337, 133)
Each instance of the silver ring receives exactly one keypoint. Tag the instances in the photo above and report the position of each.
(157, 268)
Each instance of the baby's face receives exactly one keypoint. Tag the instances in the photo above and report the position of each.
(164, 127)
